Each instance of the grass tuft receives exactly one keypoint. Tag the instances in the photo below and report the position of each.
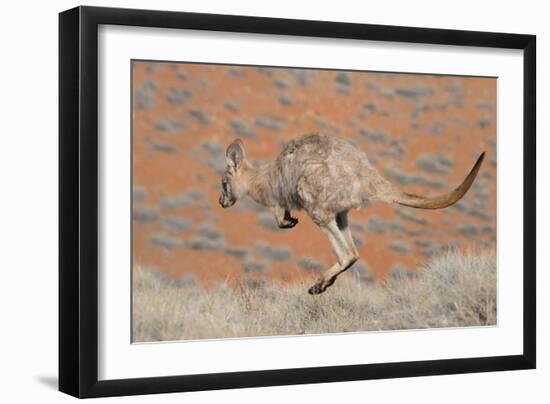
(451, 290)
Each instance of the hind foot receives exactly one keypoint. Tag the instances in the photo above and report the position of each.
(320, 286)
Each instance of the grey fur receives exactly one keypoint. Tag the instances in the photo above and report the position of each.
(326, 177)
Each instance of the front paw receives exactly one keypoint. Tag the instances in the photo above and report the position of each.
(288, 223)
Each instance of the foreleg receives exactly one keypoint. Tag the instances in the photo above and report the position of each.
(283, 218)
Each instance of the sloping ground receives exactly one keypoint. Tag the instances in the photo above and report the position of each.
(452, 290)
(422, 132)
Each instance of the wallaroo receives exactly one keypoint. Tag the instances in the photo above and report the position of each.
(326, 177)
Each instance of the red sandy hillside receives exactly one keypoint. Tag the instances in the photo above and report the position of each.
(423, 132)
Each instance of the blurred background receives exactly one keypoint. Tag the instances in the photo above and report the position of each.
(423, 132)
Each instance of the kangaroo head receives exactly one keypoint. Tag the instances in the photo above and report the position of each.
(234, 182)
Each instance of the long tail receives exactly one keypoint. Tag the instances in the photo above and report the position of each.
(439, 202)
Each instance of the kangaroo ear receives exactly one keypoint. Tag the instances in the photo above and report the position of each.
(235, 153)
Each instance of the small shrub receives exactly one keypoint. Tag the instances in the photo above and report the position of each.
(269, 122)
(139, 193)
(241, 128)
(254, 266)
(274, 253)
(414, 92)
(343, 78)
(177, 96)
(310, 264)
(200, 116)
(285, 100)
(145, 214)
(177, 224)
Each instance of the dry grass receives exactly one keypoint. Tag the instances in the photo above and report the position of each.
(452, 290)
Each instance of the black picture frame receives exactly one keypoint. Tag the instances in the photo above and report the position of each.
(78, 201)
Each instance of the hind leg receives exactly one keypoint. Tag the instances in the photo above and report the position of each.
(343, 225)
(337, 232)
